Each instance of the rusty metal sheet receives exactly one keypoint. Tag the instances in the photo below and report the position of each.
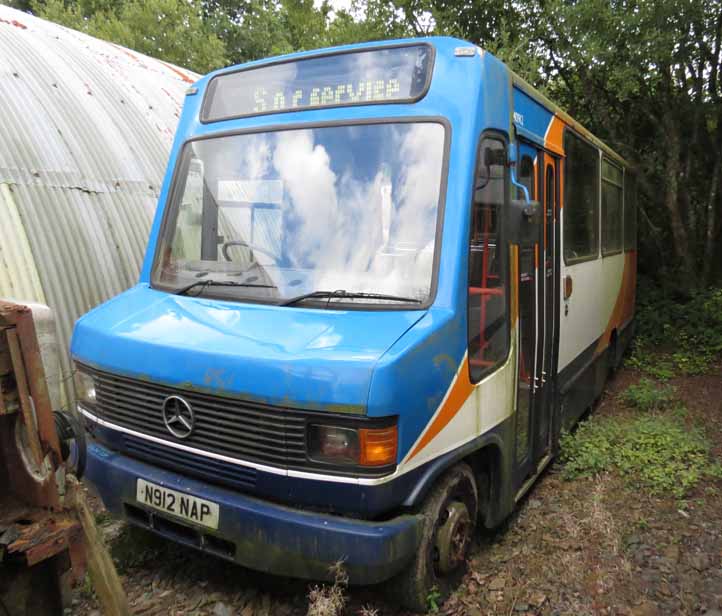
(29, 378)
(21, 317)
(42, 539)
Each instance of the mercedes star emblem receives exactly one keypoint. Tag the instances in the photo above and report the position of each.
(178, 416)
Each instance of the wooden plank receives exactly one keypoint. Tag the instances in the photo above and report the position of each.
(35, 371)
(8, 393)
(5, 362)
(100, 565)
(24, 394)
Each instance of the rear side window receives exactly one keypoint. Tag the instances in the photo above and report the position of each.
(581, 200)
(611, 208)
(488, 323)
(630, 211)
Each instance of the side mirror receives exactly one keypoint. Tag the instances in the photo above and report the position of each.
(494, 157)
(524, 219)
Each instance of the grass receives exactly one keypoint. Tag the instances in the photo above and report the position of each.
(329, 600)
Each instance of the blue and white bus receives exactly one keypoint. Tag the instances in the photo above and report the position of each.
(380, 281)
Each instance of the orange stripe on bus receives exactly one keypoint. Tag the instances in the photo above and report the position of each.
(460, 390)
(554, 137)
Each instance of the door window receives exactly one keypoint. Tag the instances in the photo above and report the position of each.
(488, 323)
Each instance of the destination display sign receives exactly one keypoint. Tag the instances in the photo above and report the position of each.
(386, 75)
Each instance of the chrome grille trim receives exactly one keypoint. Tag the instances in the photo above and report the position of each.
(310, 474)
(246, 431)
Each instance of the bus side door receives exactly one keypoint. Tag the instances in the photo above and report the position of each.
(537, 325)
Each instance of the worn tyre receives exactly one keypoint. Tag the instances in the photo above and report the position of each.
(449, 515)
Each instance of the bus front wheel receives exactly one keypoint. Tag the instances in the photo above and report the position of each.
(449, 519)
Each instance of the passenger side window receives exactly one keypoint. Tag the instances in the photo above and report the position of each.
(630, 211)
(488, 322)
(611, 208)
(581, 200)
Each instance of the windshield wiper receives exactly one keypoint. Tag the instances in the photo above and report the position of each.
(219, 283)
(342, 294)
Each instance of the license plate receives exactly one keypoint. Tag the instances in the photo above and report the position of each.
(179, 504)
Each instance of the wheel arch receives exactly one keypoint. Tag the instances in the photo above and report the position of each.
(487, 455)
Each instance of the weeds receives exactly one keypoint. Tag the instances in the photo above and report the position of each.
(653, 452)
(648, 395)
(87, 589)
(329, 600)
(642, 524)
(103, 517)
(654, 364)
(433, 599)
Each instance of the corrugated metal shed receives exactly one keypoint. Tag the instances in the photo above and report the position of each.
(85, 131)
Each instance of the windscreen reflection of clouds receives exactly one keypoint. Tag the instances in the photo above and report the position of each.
(360, 222)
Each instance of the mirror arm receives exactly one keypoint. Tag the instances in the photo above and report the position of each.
(519, 185)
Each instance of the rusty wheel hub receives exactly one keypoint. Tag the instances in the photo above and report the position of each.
(453, 537)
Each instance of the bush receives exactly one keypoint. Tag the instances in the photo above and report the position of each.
(648, 395)
(656, 453)
(676, 334)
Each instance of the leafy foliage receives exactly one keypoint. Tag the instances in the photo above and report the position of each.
(657, 453)
(433, 600)
(645, 76)
(172, 30)
(676, 334)
(648, 396)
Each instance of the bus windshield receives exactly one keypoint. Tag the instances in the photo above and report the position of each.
(272, 216)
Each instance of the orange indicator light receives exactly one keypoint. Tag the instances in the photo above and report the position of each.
(378, 446)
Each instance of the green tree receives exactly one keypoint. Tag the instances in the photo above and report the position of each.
(370, 20)
(172, 30)
(21, 5)
(645, 76)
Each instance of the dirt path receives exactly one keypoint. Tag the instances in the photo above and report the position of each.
(571, 548)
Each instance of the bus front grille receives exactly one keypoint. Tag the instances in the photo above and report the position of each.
(208, 469)
(240, 430)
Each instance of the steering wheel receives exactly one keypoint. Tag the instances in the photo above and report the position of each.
(252, 247)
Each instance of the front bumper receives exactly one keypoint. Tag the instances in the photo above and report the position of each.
(258, 534)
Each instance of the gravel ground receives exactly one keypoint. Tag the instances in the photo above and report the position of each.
(571, 548)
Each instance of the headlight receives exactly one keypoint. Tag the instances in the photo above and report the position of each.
(353, 446)
(84, 388)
